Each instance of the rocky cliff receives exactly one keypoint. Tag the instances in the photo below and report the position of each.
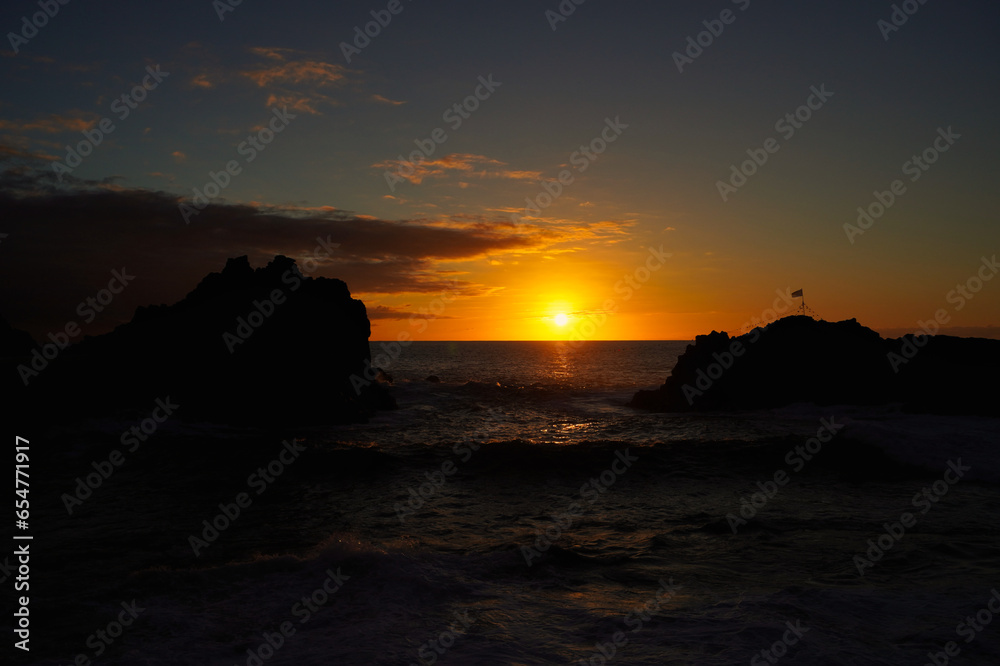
(262, 346)
(799, 359)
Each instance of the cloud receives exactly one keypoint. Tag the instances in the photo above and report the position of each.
(389, 312)
(385, 100)
(292, 79)
(304, 103)
(288, 77)
(65, 239)
(467, 165)
(297, 72)
(201, 81)
(52, 123)
(13, 152)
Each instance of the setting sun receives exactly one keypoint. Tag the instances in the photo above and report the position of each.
(545, 317)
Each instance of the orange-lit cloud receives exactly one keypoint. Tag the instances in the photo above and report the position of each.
(373, 255)
(11, 151)
(298, 102)
(292, 79)
(385, 100)
(201, 81)
(288, 71)
(52, 123)
(476, 166)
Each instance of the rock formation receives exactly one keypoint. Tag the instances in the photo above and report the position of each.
(799, 359)
(262, 346)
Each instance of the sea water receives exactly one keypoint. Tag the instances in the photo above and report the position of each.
(518, 512)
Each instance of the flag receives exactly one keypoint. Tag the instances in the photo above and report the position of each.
(797, 294)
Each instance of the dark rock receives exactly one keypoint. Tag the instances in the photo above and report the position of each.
(14, 343)
(799, 359)
(15, 348)
(264, 346)
(433, 379)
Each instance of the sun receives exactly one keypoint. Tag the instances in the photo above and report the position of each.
(561, 319)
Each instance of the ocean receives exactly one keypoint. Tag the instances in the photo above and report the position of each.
(518, 512)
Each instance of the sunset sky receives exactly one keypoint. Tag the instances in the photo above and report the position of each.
(456, 224)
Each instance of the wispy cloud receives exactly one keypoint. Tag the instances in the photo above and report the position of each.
(292, 79)
(52, 123)
(290, 68)
(13, 152)
(202, 81)
(391, 312)
(288, 77)
(464, 164)
(385, 100)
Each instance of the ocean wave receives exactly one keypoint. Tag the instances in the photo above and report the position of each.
(929, 441)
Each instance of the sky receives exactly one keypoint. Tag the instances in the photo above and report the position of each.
(581, 171)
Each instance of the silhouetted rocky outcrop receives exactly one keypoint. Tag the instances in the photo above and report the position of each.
(264, 346)
(799, 359)
(14, 343)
